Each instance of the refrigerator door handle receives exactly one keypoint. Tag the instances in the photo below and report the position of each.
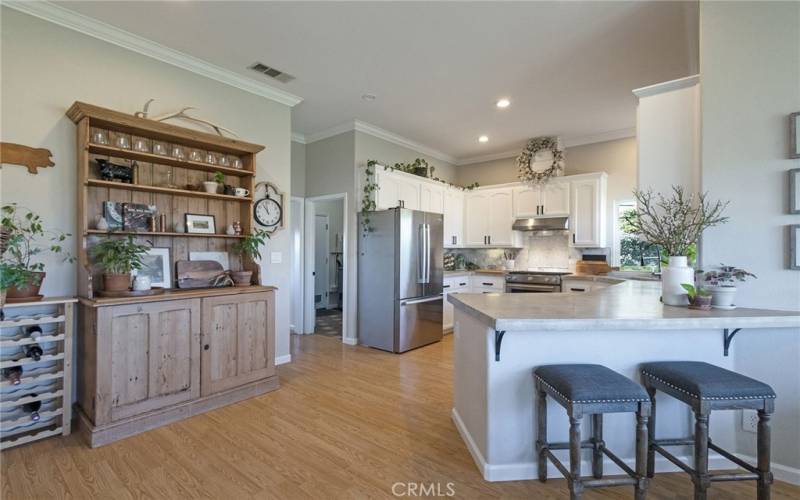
(427, 253)
(421, 301)
(422, 255)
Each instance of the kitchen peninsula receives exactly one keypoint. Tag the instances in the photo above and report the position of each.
(500, 338)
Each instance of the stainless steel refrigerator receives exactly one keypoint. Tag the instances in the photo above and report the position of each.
(400, 279)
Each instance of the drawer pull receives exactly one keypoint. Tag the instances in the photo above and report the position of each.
(487, 284)
(577, 289)
(445, 286)
(462, 284)
(206, 347)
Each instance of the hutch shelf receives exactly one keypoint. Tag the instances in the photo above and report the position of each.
(148, 361)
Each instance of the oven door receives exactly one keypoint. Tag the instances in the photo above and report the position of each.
(530, 288)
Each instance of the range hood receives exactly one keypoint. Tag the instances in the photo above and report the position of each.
(542, 224)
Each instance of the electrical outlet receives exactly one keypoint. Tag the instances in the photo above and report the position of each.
(749, 420)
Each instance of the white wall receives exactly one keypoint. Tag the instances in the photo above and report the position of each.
(369, 147)
(750, 72)
(298, 169)
(46, 68)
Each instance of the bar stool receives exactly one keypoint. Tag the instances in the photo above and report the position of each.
(705, 387)
(590, 390)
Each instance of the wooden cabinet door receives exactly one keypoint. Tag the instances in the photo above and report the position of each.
(501, 217)
(586, 213)
(238, 340)
(387, 195)
(555, 198)
(476, 208)
(527, 200)
(148, 357)
(453, 218)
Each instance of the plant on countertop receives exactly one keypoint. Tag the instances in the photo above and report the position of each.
(371, 185)
(727, 276)
(118, 257)
(674, 223)
(699, 298)
(249, 246)
(24, 240)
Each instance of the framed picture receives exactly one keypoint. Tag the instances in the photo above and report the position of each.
(221, 257)
(200, 224)
(794, 246)
(157, 267)
(794, 135)
(794, 191)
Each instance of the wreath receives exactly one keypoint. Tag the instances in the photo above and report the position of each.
(526, 158)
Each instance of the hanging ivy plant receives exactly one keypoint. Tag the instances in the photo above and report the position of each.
(417, 167)
(528, 156)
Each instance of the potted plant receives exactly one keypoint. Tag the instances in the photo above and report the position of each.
(118, 257)
(699, 298)
(674, 224)
(248, 247)
(24, 240)
(213, 186)
(722, 285)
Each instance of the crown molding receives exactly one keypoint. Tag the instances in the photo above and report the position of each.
(660, 88)
(61, 16)
(298, 137)
(490, 157)
(330, 132)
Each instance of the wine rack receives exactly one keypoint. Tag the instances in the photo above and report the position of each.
(45, 383)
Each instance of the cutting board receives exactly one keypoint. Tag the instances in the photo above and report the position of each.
(592, 267)
(197, 273)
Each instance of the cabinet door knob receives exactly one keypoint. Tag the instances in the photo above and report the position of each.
(206, 347)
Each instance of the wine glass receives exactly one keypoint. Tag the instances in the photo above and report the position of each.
(224, 161)
(123, 142)
(99, 137)
(237, 162)
(159, 148)
(196, 155)
(211, 159)
(177, 153)
(140, 145)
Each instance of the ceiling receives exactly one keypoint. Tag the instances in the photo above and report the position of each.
(437, 69)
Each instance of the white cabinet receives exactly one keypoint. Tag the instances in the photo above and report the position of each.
(487, 283)
(453, 218)
(588, 211)
(408, 193)
(488, 217)
(576, 285)
(431, 198)
(550, 199)
(396, 191)
(452, 284)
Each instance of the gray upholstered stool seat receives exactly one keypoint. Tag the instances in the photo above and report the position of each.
(705, 387)
(705, 381)
(590, 390)
(590, 384)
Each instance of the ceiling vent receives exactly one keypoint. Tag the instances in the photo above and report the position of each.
(271, 72)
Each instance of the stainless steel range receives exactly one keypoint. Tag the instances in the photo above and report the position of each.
(534, 281)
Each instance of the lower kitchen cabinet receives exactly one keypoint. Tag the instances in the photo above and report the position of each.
(146, 363)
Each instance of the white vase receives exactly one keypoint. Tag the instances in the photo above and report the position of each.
(210, 186)
(722, 297)
(673, 275)
(102, 224)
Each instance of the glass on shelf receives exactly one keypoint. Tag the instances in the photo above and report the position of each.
(224, 161)
(159, 148)
(237, 162)
(211, 159)
(99, 137)
(122, 142)
(196, 155)
(177, 153)
(140, 145)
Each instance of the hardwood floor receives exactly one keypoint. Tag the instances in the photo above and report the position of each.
(348, 422)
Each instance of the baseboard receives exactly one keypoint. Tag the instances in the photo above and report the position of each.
(527, 470)
(781, 472)
(349, 341)
(282, 360)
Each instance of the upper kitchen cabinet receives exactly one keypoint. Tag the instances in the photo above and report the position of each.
(395, 190)
(431, 197)
(488, 217)
(588, 214)
(550, 199)
(453, 218)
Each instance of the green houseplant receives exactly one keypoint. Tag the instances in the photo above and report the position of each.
(722, 284)
(248, 247)
(699, 298)
(213, 186)
(24, 241)
(118, 257)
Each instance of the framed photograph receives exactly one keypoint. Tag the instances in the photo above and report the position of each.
(157, 267)
(794, 135)
(794, 191)
(200, 224)
(221, 257)
(794, 246)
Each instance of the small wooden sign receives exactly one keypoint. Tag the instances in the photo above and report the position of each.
(26, 156)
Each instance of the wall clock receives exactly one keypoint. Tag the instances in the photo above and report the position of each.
(268, 211)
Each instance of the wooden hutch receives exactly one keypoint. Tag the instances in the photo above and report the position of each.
(147, 361)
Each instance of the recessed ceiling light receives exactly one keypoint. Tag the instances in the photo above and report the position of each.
(368, 97)
(483, 138)
(503, 103)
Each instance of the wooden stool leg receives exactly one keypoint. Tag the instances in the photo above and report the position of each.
(575, 485)
(541, 433)
(763, 446)
(597, 440)
(642, 451)
(701, 479)
(651, 434)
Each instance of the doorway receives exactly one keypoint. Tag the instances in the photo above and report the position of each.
(325, 294)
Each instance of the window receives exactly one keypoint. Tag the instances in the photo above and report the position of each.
(631, 253)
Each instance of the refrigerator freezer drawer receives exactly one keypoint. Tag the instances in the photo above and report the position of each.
(420, 322)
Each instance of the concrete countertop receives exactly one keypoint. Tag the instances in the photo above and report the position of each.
(631, 305)
(593, 277)
(464, 272)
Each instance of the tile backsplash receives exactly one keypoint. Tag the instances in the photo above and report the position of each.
(540, 250)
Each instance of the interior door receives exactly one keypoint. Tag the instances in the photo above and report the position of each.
(154, 356)
(321, 256)
(237, 345)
